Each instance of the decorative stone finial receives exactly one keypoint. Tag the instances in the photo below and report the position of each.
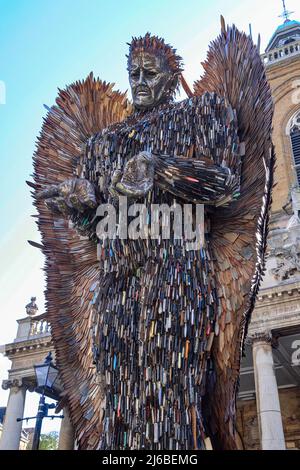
(31, 308)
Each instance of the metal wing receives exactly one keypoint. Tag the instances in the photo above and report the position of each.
(234, 70)
(82, 109)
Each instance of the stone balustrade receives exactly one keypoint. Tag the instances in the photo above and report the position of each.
(39, 327)
(288, 50)
(32, 327)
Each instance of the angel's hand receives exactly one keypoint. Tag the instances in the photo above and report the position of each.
(72, 194)
(137, 178)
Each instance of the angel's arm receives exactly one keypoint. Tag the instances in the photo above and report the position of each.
(81, 110)
(211, 176)
(81, 193)
(197, 180)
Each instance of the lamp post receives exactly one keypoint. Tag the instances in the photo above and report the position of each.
(46, 375)
(38, 424)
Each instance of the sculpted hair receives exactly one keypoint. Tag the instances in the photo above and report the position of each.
(157, 46)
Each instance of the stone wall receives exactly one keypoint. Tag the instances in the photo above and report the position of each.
(290, 408)
(284, 78)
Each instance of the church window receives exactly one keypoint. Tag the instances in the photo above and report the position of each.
(295, 142)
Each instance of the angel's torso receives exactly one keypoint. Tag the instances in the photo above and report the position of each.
(156, 303)
(190, 129)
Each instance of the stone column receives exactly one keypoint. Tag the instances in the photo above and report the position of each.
(11, 433)
(66, 433)
(267, 398)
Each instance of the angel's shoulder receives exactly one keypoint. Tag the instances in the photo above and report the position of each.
(114, 129)
(207, 103)
(208, 98)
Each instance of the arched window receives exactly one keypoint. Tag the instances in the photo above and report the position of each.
(295, 141)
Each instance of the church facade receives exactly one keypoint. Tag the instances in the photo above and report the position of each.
(269, 398)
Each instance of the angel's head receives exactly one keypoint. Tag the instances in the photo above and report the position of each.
(154, 70)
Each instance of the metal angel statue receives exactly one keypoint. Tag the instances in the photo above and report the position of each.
(149, 334)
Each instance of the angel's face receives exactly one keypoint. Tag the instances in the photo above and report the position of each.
(150, 80)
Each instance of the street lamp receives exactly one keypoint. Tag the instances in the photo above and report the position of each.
(46, 375)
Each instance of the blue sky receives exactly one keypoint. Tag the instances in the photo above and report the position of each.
(48, 44)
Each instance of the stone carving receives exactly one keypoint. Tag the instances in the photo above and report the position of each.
(288, 262)
(12, 383)
(295, 198)
(18, 383)
(31, 308)
(265, 336)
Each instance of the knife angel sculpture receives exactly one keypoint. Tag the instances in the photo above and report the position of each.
(149, 333)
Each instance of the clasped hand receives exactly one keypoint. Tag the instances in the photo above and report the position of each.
(72, 194)
(78, 194)
(136, 179)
